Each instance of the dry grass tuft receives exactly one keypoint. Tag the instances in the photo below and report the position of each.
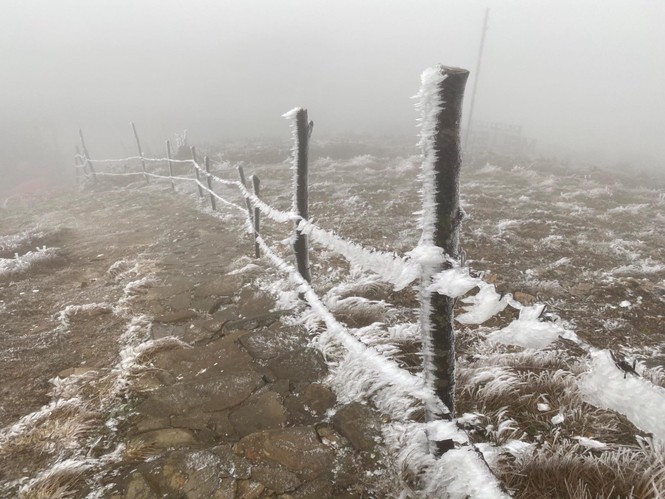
(566, 469)
(138, 450)
(360, 312)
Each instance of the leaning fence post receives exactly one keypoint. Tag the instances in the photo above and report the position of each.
(87, 163)
(441, 96)
(303, 132)
(168, 157)
(241, 174)
(209, 179)
(138, 145)
(257, 214)
(196, 171)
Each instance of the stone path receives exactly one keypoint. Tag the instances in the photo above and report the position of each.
(238, 408)
(243, 412)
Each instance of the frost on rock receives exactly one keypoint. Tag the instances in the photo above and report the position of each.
(528, 331)
(606, 386)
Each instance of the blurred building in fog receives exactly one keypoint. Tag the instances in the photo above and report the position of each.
(500, 138)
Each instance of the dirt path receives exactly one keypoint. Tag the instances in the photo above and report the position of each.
(143, 359)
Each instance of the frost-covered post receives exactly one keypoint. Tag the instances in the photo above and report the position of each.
(257, 213)
(77, 165)
(138, 145)
(206, 160)
(440, 104)
(168, 157)
(86, 155)
(196, 171)
(241, 174)
(301, 134)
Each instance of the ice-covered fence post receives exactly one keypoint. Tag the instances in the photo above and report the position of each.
(196, 171)
(206, 160)
(257, 214)
(302, 133)
(168, 157)
(241, 174)
(138, 145)
(77, 165)
(86, 155)
(440, 103)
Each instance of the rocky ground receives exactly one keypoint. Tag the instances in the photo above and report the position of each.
(172, 373)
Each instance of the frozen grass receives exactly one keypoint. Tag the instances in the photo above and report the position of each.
(12, 268)
(60, 437)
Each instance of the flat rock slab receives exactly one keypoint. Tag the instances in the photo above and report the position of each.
(207, 395)
(261, 412)
(305, 365)
(297, 449)
(359, 424)
(211, 360)
(269, 343)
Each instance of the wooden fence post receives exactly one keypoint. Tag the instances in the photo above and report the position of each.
(87, 163)
(77, 165)
(441, 220)
(209, 179)
(138, 145)
(168, 156)
(257, 214)
(196, 171)
(241, 174)
(300, 243)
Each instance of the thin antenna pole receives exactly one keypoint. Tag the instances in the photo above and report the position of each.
(476, 78)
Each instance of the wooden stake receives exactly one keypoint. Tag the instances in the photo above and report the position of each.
(300, 243)
(196, 171)
(257, 214)
(138, 145)
(213, 204)
(77, 165)
(87, 163)
(448, 215)
(241, 174)
(168, 156)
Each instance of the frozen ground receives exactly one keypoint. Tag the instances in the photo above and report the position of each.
(538, 392)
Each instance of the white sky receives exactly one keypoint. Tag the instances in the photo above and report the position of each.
(585, 74)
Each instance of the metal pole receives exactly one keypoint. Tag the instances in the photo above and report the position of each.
(475, 80)
(138, 145)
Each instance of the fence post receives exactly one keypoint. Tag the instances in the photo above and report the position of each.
(168, 156)
(196, 171)
(241, 174)
(77, 165)
(300, 200)
(138, 145)
(257, 214)
(441, 95)
(87, 163)
(209, 179)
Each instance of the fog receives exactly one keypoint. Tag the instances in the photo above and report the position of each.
(585, 78)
